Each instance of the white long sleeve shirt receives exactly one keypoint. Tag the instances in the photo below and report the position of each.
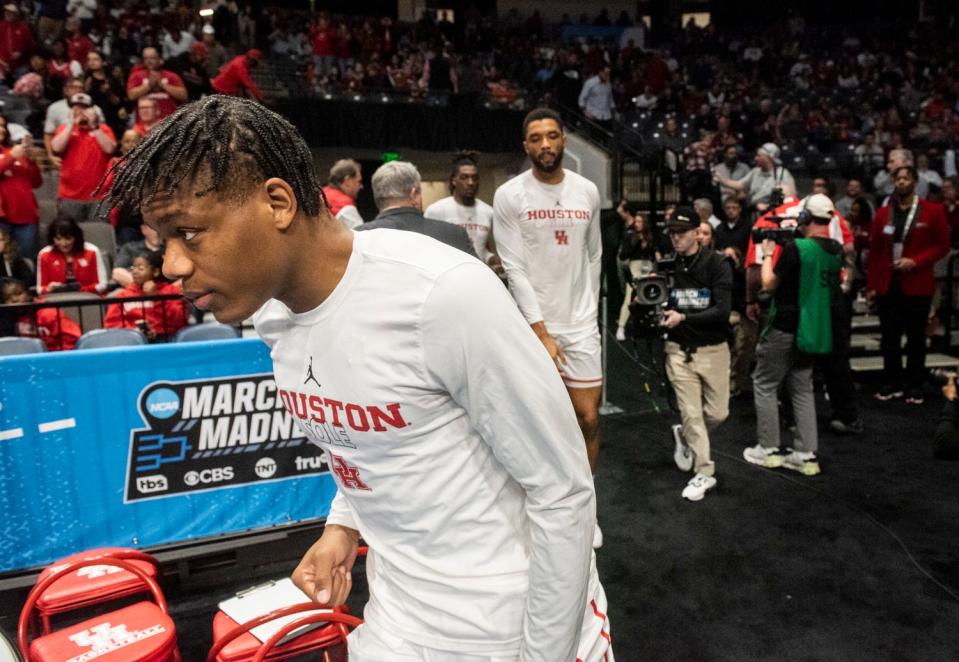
(548, 236)
(453, 444)
(476, 220)
(596, 99)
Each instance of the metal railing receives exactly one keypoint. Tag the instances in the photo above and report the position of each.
(87, 314)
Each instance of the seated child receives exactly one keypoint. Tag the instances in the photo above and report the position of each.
(51, 325)
(158, 320)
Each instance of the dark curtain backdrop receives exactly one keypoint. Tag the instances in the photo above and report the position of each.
(460, 125)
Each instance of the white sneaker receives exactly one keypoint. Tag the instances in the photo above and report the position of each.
(597, 537)
(620, 334)
(805, 463)
(683, 455)
(764, 457)
(696, 488)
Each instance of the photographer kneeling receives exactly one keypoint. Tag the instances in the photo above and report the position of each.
(697, 353)
(805, 287)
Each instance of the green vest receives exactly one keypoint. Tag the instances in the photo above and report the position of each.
(818, 277)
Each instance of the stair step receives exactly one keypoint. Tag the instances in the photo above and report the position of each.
(874, 363)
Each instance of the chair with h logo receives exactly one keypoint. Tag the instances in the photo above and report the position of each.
(93, 584)
(142, 632)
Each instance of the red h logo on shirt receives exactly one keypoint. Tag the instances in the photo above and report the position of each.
(349, 475)
(561, 237)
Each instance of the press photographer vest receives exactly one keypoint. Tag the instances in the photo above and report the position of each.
(818, 276)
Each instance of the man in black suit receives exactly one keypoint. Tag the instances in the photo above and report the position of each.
(398, 196)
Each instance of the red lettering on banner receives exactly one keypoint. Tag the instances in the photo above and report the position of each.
(562, 238)
(348, 474)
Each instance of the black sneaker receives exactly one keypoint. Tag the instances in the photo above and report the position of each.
(914, 396)
(842, 427)
(888, 392)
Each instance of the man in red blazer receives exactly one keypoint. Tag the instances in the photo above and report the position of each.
(908, 236)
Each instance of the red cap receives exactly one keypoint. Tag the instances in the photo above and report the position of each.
(255, 54)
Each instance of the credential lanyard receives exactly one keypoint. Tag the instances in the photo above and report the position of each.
(897, 246)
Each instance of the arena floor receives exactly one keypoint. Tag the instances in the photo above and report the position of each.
(859, 563)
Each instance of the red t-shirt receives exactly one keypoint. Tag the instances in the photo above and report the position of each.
(165, 103)
(18, 178)
(84, 163)
(53, 327)
(164, 317)
(79, 46)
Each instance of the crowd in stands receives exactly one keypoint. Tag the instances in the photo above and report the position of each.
(88, 79)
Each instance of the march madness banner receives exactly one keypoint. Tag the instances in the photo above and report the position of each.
(145, 446)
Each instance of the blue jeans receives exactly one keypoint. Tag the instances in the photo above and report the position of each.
(25, 236)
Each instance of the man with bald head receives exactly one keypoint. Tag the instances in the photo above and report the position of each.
(150, 79)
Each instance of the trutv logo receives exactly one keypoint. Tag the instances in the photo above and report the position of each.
(213, 434)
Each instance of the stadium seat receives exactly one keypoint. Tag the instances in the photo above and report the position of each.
(15, 346)
(142, 632)
(93, 584)
(100, 338)
(206, 331)
(102, 236)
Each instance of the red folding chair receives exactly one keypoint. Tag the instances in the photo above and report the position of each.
(236, 644)
(339, 620)
(92, 584)
(142, 632)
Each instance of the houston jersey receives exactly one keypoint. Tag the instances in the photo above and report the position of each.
(476, 220)
(453, 445)
(548, 237)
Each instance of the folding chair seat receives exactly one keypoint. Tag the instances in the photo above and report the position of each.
(142, 632)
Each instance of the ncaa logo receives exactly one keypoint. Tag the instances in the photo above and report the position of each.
(149, 484)
(163, 403)
(265, 467)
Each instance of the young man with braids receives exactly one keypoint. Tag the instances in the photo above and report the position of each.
(464, 209)
(471, 485)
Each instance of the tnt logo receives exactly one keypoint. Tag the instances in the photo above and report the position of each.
(561, 237)
(349, 475)
(265, 467)
(149, 484)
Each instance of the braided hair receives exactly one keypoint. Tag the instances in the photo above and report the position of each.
(235, 142)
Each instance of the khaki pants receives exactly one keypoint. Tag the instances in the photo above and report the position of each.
(702, 392)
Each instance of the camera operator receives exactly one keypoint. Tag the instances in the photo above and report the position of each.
(697, 354)
(947, 432)
(805, 286)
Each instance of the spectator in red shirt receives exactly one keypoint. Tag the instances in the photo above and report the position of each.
(151, 79)
(158, 320)
(148, 116)
(16, 40)
(324, 47)
(19, 175)
(79, 45)
(68, 263)
(85, 145)
(51, 325)
(234, 78)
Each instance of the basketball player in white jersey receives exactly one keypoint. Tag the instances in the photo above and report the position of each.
(454, 449)
(463, 208)
(548, 235)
